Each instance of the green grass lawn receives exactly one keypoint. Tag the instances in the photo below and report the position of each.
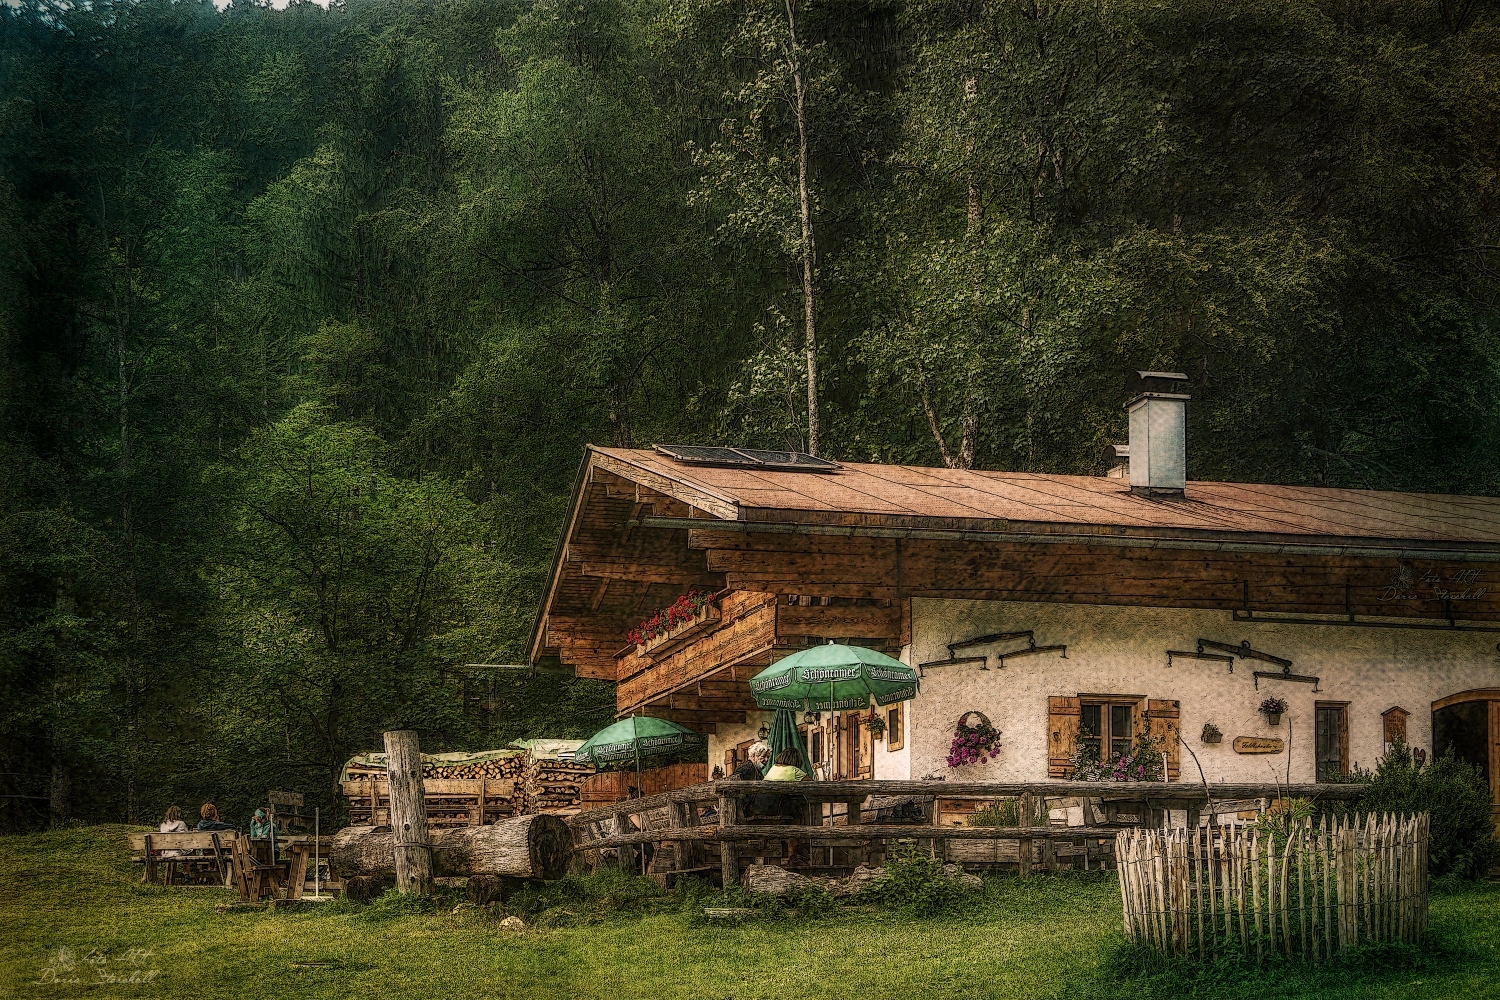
(73, 894)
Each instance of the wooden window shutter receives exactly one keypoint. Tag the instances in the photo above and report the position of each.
(866, 750)
(1063, 715)
(1164, 717)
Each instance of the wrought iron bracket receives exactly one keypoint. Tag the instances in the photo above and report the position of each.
(1244, 652)
(1029, 651)
(1286, 675)
(1189, 654)
(922, 667)
(984, 640)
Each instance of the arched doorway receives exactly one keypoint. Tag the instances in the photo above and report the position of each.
(1469, 722)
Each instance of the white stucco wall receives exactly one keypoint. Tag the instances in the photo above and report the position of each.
(1123, 651)
(895, 764)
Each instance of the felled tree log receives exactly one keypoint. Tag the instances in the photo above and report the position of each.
(520, 847)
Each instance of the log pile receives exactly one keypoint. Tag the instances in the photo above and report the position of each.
(554, 786)
(511, 767)
(450, 801)
(473, 793)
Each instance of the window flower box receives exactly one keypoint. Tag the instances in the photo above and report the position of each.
(676, 626)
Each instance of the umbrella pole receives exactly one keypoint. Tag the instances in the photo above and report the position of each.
(640, 793)
(833, 729)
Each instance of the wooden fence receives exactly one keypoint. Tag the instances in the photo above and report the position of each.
(1037, 825)
(1310, 894)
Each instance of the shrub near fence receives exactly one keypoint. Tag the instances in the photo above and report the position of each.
(1314, 893)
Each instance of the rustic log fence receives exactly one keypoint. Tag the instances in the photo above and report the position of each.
(1047, 825)
(1310, 893)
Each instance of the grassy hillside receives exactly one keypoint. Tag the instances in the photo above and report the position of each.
(72, 896)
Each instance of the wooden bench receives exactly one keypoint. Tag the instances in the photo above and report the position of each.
(199, 848)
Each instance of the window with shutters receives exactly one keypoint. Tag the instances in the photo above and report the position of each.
(1107, 725)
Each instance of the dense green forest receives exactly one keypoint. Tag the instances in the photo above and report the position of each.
(307, 314)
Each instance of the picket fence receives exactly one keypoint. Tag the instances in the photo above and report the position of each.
(1309, 893)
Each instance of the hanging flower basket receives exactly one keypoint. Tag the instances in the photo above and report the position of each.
(876, 725)
(1211, 733)
(690, 615)
(1272, 709)
(974, 741)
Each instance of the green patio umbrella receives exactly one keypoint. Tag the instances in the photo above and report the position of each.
(784, 736)
(832, 678)
(642, 741)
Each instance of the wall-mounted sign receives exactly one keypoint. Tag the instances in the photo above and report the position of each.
(1258, 744)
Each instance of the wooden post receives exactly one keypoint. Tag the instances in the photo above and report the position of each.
(729, 857)
(1024, 848)
(403, 764)
(149, 875)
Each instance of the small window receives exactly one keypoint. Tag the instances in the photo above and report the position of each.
(1333, 741)
(895, 738)
(1107, 728)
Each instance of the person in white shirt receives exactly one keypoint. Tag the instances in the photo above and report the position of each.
(172, 823)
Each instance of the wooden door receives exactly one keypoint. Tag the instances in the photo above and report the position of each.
(855, 747)
(1469, 724)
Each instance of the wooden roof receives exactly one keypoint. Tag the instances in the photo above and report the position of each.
(644, 528)
(914, 496)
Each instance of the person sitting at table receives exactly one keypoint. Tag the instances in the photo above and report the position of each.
(260, 826)
(752, 768)
(787, 768)
(172, 823)
(210, 819)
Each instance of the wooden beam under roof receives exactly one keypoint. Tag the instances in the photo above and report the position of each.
(1095, 574)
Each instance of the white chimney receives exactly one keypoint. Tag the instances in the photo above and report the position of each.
(1158, 434)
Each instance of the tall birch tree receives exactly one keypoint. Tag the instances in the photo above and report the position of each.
(762, 162)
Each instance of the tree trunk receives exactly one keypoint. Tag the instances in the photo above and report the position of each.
(809, 246)
(57, 791)
(412, 850)
(520, 847)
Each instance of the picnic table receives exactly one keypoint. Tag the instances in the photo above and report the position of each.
(193, 854)
(226, 858)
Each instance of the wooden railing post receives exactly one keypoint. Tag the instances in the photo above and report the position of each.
(413, 849)
(729, 857)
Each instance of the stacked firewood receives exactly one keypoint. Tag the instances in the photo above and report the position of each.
(503, 767)
(453, 791)
(553, 785)
(536, 781)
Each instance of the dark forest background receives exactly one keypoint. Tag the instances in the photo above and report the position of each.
(307, 315)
